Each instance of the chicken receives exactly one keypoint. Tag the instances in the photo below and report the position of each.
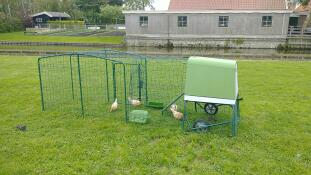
(174, 107)
(177, 115)
(134, 102)
(114, 106)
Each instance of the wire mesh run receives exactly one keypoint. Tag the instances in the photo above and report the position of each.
(90, 81)
(80, 83)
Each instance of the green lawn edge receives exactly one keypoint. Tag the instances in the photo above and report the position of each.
(21, 37)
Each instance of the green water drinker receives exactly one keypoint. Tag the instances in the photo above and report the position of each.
(139, 116)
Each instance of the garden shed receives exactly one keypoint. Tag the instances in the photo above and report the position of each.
(44, 17)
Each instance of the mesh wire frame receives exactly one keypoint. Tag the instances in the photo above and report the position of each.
(80, 81)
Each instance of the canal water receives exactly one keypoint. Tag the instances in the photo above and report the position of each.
(166, 52)
(253, 53)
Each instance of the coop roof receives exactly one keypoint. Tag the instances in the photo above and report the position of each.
(181, 5)
(211, 80)
(53, 14)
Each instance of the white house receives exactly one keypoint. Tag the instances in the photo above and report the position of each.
(211, 23)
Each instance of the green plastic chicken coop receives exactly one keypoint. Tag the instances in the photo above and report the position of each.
(213, 82)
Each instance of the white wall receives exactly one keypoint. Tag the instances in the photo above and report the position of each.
(206, 25)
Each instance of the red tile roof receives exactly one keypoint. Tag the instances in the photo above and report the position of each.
(176, 5)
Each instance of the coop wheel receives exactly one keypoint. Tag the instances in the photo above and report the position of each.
(201, 125)
(210, 108)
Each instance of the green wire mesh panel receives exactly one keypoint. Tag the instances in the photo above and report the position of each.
(166, 78)
(97, 84)
(81, 83)
(135, 77)
(136, 66)
(59, 82)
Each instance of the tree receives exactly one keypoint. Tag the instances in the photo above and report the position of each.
(115, 2)
(70, 7)
(308, 20)
(303, 2)
(54, 6)
(90, 5)
(109, 14)
(90, 9)
(138, 4)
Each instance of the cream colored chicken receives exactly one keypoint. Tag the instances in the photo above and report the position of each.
(114, 106)
(174, 107)
(134, 102)
(177, 115)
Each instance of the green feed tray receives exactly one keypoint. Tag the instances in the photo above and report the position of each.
(157, 105)
(138, 116)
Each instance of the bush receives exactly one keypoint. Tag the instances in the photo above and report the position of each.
(66, 24)
(109, 14)
(10, 25)
(69, 22)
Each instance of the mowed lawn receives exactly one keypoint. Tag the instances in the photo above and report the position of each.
(274, 133)
(19, 36)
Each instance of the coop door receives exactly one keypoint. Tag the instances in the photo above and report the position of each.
(127, 81)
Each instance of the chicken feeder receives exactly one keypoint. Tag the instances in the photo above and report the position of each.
(213, 82)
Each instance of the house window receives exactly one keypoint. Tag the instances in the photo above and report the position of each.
(143, 21)
(182, 21)
(223, 21)
(266, 21)
(38, 19)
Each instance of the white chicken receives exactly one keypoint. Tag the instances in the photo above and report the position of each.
(174, 107)
(114, 106)
(177, 115)
(134, 102)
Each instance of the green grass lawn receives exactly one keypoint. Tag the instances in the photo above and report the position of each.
(19, 36)
(53, 48)
(274, 133)
(48, 48)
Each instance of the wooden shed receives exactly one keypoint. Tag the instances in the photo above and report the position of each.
(44, 17)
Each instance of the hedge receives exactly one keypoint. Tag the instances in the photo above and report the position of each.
(10, 25)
